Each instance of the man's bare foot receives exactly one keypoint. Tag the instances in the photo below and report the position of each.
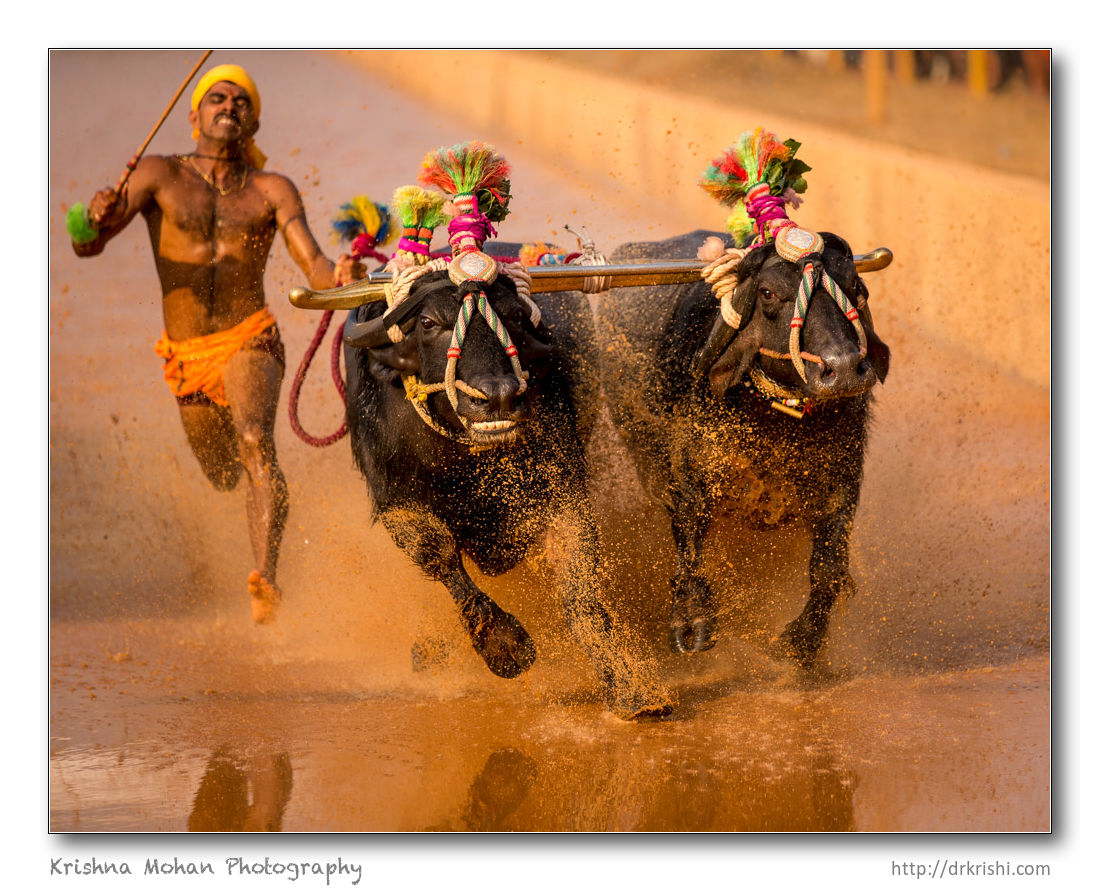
(265, 598)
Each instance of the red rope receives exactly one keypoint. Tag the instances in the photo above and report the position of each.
(300, 377)
(337, 378)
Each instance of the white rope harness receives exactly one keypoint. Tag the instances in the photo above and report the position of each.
(722, 276)
(416, 391)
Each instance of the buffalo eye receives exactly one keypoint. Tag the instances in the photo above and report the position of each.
(769, 301)
(427, 323)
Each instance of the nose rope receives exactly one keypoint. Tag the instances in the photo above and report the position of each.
(811, 278)
(801, 305)
(417, 391)
(851, 313)
(458, 337)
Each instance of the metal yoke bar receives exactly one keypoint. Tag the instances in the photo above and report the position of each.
(551, 278)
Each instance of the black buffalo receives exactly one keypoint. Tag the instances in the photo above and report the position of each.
(698, 406)
(488, 480)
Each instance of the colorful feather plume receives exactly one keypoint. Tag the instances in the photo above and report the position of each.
(539, 253)
(757, 157)
(739, 224)
(363, 217)
(471, 168)
(416, 207)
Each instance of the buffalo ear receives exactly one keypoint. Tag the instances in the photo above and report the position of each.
(732, 366)
(402, 357)
(743, 303)
(878, 354)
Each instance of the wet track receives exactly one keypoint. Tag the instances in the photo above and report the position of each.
(170, 711)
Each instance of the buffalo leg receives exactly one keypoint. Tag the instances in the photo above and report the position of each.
(829, 579)
(692, 620)
(497, 636)
(627, 678)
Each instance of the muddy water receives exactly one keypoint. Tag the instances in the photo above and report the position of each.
(170, 711)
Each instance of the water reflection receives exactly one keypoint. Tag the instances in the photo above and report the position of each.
(723, 793)
(752, 775)
(498, 790)
(242, 794)
(791, 781)
(882, 755)
(811, 797)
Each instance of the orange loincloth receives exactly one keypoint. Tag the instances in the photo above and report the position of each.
(196, 365)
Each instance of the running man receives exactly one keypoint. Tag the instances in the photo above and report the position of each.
(212, 216)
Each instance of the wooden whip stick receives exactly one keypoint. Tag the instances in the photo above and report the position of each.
(78, 221)
(132, 163)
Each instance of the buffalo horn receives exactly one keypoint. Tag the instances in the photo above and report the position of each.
(880, 258)
(367, 335)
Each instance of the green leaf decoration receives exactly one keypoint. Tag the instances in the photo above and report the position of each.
(80, 228)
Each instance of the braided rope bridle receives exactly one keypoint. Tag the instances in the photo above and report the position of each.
(474, 301)
(723, 276)
(811, 278)
(465, 313)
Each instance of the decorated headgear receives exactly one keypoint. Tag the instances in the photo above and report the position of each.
(542, 254)
(365, 225)
(475, 176)
(234, 74)
(420, 213)
(760, 176)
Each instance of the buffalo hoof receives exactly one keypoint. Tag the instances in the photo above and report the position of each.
(639, 706)
(499, 639)
(691, 636)
(691, 623)
(801, 642)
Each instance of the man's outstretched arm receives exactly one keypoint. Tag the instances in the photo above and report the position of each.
(320, 272)
(111, 212)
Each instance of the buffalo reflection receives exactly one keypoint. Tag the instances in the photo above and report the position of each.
(498, 790)
(796, 788)
(242, 794)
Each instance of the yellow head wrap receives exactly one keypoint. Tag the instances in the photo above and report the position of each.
(235, 75)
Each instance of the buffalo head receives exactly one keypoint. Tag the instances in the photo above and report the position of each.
(839, 357)
(485, 396)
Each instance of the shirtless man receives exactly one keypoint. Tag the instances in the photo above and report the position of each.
(212, 217)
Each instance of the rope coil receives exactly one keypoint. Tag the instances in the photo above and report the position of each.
(589, 256)
(722, 276)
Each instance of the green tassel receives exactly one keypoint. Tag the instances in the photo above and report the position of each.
(80, 227)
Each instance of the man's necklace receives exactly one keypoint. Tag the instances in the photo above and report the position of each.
(210, 181)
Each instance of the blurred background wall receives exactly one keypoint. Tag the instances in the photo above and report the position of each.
(944, 157)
